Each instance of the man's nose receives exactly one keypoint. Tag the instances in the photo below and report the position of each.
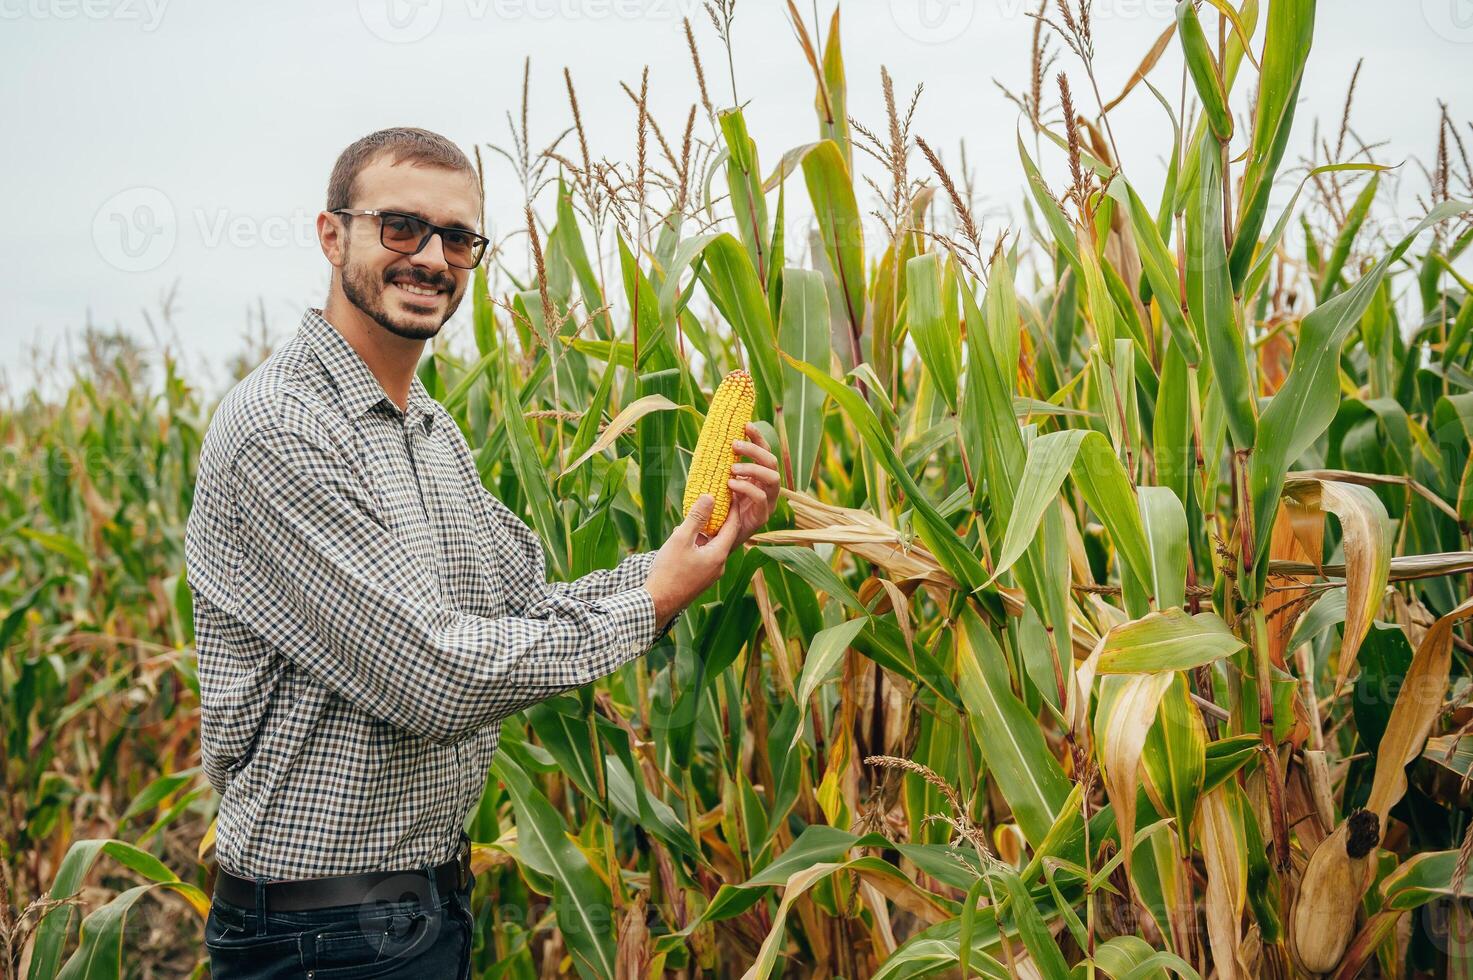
(432, 256)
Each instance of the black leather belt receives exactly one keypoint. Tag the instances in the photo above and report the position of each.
(308, 894)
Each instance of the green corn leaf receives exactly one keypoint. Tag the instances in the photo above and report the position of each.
(1167, 641)
(871, 869)
(1262, 259)
(810, 567)
(59, 544)
(654, 338)
(744, 184)
(155, 792)
(99, 954)
(1171, 428)
(1131, 956)
(837, 211)
(1203, 69)
(1286, 48)
(570, 237)
(1175, 756)
(737, 293)
(532, 474)
(580, 897)
(1164, 520)
(1160, 272)
(1424, 878)
(1042, 948)
(803, 333)
(833, 111)
(931, 315)
(939, 947)
(823, 654)
(1100, 478)
(51, 934)
(1053, 216)
(1305, 404)
(1012, 743)
(1354, 219)
(1210, 298)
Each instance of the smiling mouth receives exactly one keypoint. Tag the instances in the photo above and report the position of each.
(417, 290)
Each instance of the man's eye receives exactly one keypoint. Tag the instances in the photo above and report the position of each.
(399, 226)
(458, 239)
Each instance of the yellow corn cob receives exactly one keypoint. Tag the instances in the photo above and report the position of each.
(731, 410)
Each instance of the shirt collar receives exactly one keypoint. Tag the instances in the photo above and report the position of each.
(359, 390)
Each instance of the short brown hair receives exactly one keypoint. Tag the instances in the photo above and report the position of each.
(402, 143)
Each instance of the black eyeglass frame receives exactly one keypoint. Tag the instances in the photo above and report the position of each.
(478, 242)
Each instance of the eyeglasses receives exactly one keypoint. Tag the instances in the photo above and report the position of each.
(408, 235)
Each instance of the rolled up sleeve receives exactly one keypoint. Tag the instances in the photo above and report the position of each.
(325, 580)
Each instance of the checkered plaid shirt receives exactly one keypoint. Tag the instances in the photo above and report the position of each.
(366, 614)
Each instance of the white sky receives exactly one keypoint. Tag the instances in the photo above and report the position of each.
(229, 115)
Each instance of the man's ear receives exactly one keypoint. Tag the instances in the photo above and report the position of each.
(332, 232)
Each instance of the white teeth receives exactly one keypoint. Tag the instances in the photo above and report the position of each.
(417, 290)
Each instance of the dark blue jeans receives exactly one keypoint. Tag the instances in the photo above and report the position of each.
(380, 939)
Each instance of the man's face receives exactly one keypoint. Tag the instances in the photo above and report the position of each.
(408, 295)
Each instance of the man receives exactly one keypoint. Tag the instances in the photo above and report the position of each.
(366, 613)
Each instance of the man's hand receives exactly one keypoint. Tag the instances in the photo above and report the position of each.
(689, 562)
(754, 485)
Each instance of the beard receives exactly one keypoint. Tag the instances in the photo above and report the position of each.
(365, 289)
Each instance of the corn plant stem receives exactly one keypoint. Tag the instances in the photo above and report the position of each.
(966, 462)
(1181, 934)
(784, 451)
(893, 381)
(1129, 450)
(1063, 686)
(692, 807)
(634, 328)
(1002, 933)
(1247, 539)
(1089, 892)
(1264, 671)
(603, 286)
(1201, 677)
(613, 870)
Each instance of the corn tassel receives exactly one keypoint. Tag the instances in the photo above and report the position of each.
(710, 469)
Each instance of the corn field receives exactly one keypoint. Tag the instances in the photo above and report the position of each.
(1114, 622)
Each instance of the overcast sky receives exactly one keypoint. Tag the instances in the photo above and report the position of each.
(161, 143)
